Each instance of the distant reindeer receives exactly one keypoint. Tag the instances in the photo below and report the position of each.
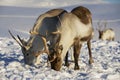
(75, 28)
(45, 24)
(105, 33)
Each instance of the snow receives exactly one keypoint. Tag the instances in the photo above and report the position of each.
(106, 64)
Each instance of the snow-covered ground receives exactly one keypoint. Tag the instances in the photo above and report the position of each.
(106, 64)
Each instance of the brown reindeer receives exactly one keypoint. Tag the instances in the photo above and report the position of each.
(75, 28)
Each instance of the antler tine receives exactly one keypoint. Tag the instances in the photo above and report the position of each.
(105, 24)
(45, 44)
(33, 32)
(15, 39)
(56, 32)
(20, 39)
(99, 26)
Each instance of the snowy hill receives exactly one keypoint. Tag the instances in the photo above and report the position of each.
(106, 65)
(21, 19)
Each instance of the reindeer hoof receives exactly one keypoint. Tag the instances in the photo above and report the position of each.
(91, 61)
(76, 68)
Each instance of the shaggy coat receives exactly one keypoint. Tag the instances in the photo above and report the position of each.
(76, 28)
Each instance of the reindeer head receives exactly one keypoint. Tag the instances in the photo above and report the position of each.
(101, 28)
(55, 50)
(29, 52)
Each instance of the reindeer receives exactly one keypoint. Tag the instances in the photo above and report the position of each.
(105, 33)
(45, 24)
(75, 28)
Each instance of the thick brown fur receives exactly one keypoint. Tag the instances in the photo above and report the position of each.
(82, 13)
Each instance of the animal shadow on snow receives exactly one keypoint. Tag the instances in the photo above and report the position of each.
(9, 59)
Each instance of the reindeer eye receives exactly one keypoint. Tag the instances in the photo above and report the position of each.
(27, 54)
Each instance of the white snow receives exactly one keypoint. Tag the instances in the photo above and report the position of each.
(106, 64)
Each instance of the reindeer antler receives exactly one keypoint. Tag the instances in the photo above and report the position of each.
(105, 24)
(99, 26)
(21, 40)
(45, 44)
(15, 38)
(33, 32)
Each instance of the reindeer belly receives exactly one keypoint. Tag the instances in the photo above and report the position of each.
(86, 38)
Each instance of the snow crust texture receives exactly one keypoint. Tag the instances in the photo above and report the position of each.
(106, 64)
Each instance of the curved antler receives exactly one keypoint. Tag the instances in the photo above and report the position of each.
(21, 40)
(56, 32)
(45, 44)
(15, 38)
(99, 26)
(33, 32)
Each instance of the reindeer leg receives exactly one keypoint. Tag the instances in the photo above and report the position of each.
(90, 53)
(48, 63)
(66, 60)
(113, 39)
(77, 48)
